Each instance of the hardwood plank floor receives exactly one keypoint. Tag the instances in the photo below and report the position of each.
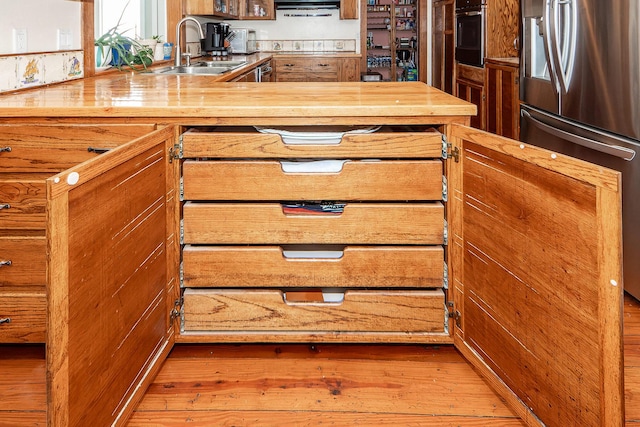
(274, 385)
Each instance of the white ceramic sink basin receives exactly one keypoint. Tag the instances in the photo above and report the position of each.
(202, 68)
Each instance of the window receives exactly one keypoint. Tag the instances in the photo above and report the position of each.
(142, 18)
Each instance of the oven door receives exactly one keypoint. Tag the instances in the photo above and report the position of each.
(470, 27)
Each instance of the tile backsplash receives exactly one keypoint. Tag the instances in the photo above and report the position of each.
(31, 70)
(316, 46)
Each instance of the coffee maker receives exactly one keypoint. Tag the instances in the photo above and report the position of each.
(215, 41)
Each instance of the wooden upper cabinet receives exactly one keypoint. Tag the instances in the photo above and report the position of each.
(198, 7)
(502, 31)
(535, 259)
(222, 8)
(348, 9)
(257, 9)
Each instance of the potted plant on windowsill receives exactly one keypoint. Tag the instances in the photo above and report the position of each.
(116, 49)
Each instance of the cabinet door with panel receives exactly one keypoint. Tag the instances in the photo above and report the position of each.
(535, 264)
(443, 45)
(502, 97)
(112, 234)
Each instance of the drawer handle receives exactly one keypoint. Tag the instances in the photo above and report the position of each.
(329, 255)
(5, 262)
(7, 149)
(315, 166)
(5, 206)
(323, 65)
(321, 209)
(309, 298)
(97, 150)
(5, 320)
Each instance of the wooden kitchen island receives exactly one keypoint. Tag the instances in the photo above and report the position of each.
(181, 210)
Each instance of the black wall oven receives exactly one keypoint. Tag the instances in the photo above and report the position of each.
(470, 29)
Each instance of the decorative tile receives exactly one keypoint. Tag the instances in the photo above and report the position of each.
(297, 46)
(318, 46)
(307, 46)
(74, 62)
(329, 45)
(30, 71)
(287, 45)
(276, 45)
(339, 45)
(8, 73)
(350, 45)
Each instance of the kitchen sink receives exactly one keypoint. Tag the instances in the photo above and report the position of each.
(202, 68)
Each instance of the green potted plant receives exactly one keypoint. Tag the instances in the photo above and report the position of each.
(116, 49)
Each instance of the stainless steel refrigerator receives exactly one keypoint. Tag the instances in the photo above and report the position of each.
(580, 94)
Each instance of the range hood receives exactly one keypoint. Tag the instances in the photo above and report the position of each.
(307, 4)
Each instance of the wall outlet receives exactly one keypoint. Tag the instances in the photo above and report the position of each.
(19, 40)
(65, 39)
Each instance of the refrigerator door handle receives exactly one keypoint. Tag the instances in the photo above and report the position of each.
(614, 150)
(548, 38)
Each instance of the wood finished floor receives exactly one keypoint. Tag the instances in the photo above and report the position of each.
(302, 385)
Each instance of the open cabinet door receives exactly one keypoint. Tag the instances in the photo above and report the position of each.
(111, 247)
(535, 259)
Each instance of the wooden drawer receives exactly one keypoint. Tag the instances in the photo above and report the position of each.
(23, 261)
(246, 142)
(53, 148)
(359, 311)
(350, 267)
(313, 180)
(307, 65)
(22, 201)
(360, 223)
(23, 317)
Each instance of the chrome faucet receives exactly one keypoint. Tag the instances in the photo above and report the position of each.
(179, 54)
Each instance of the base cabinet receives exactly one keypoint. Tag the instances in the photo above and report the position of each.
(29, 156)
(470, 87)
(479, 250)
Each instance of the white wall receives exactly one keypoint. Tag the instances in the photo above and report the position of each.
(42, 19)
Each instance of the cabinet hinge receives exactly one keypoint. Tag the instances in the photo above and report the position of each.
(445, 191)
(445, 240)
(453, 152)
(181, 276)
(454, 314)
(177, 311)
(182, 231)
(175, 152)
(181, 188)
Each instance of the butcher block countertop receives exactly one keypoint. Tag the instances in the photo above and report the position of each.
(186, 99)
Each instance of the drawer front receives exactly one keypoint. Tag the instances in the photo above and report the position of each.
(23, 317)
(351, 267)
(359, 223)
(272, 310)
(316, 180)
(29, 148)
(244, 143)
(23, 261)
(307, 65)
(307, 77)
(23, 202)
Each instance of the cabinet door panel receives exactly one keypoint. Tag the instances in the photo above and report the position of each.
(537, 270)
(108, 279)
